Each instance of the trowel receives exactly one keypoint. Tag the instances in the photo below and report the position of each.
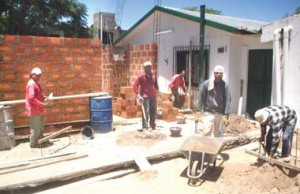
(49, 97)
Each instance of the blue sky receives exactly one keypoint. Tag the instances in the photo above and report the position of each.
(262, 10)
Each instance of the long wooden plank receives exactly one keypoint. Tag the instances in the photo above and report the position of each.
(274, 161)
(43, 163)
(40, 141)
(16, 163)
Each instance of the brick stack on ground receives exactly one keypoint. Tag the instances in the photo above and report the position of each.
(168, 112)
(126, 106)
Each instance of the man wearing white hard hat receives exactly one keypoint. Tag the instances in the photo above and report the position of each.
(146, 89)
(279, 119)
(35, 103)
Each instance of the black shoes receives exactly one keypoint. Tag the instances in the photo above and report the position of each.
(43, 145)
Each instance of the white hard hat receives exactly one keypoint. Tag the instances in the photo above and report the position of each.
(147, 63)
(261, 115)
(36, 71)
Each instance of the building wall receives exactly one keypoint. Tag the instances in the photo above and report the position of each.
(71, 66)
(291, 77)
(234, 58)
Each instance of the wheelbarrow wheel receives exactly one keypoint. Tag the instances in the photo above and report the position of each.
(194, 171)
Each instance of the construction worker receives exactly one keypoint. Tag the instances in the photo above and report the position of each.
(146, 89)
(177, 81)
(35, 106)
(214, 101)
(279, 119)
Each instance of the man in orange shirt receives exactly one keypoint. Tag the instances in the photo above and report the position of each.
(35, 102)
(176, 82)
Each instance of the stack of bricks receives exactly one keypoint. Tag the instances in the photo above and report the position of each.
(168, 112)
(126, 105)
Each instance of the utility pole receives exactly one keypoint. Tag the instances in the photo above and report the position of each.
(201, 44)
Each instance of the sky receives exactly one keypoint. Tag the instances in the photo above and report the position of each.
(134, 10)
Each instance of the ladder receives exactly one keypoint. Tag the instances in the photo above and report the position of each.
(156, 23)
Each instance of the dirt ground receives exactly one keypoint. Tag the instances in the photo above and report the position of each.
(236, 172)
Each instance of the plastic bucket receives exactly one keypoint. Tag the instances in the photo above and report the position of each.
(101, 114)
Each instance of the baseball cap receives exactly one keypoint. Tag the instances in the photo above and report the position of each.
(147, 63)
(36, 71)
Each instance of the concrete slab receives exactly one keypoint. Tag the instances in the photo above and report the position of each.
(103, 150)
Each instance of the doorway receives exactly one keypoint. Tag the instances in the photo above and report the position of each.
(259, 80)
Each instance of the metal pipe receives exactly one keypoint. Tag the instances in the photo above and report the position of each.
(58, 97)
(201, 43)
(286, 37)
(276, 86)
(190, 74)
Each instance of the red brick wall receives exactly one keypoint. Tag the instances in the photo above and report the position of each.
(70, 65)
(138, 54)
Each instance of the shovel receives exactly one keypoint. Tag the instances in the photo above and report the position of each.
(144, 115)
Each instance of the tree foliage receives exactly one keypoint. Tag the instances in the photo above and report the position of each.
(207, 10)
(43, 17)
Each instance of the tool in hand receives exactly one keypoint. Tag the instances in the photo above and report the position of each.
(49, 97)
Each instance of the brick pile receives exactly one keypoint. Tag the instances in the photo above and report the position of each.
(126, 105)
(168, 112)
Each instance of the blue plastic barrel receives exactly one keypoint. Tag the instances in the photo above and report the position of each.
(101, 114)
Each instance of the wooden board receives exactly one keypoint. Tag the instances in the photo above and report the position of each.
(142, 163)
(54, 135)
(42, 163)
(274, 161)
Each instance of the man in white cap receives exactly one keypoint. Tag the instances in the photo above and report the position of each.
(35, 106)
(279, 119)
(146, 88)
(214, 101)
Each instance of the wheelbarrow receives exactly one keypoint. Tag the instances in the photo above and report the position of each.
(201, 152)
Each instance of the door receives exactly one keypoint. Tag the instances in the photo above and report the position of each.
(259, 80)
(182, 62)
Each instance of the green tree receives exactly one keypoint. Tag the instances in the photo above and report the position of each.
(44, 17)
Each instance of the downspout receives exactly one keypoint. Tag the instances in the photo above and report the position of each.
(101, 38)
(201, 43)
(190, 75)
(276, 86)
(286, 38)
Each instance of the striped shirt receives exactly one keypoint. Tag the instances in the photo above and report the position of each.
(278, 118)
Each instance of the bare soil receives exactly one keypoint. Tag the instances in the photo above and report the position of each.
(236, 172)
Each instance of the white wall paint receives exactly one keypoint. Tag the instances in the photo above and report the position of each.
(292, 90)
(234, 59)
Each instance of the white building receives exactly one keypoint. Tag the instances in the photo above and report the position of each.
(231, 42)
(285, 37)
